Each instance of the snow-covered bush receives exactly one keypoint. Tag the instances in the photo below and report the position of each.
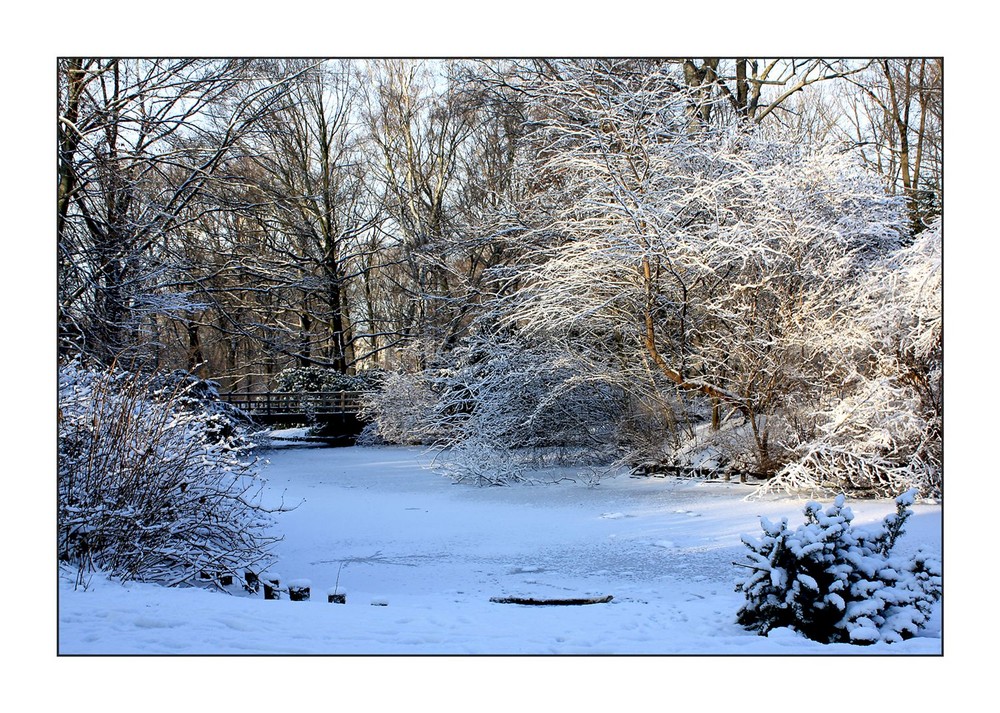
(224, 423)
(514, 406)
(835, 583)
(313, 379)
(403, 410)
(502, 407)
(873, 443)
(729, 448)
(884, 434)
(151, 483)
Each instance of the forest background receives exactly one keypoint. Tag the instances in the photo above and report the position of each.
(725, 264)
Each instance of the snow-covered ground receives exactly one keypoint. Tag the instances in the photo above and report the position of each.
(420, 557)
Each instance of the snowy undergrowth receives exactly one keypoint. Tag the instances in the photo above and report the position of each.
(156, 481)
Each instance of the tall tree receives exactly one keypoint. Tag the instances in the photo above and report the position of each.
(314, 176)
(419, 132)
(897, 128)
(139, 141)
(753, 89)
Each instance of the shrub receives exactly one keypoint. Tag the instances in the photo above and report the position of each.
(405, 411)
(500, 410)
(835, 583)
(884, 434)
(317, 379)
(153, 484)
(223, 423)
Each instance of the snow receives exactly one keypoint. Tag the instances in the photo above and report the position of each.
(434, 552)
(285, 434)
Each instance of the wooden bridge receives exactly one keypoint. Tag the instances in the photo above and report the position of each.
(338, 411)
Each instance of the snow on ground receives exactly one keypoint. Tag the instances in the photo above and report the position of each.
(420, 557)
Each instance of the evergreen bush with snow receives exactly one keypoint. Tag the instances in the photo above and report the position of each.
(835, 583)
(155, 481)
(317, 379)
(223, 423)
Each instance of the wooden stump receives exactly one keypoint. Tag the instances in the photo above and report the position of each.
(272, 586)
(298, 590)
(336, 598)
(253, 582)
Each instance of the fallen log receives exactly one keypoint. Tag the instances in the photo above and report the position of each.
(658, 470)
(551, 602)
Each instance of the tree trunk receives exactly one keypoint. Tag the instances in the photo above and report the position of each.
(742, 93)
(700, 80)
(195, 356)
(69, 139)
(674, 376)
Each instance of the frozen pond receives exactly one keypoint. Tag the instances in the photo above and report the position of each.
(419, 558)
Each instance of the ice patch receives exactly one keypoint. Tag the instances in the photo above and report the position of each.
(526, 570)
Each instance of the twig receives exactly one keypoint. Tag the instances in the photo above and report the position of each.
(336, 585)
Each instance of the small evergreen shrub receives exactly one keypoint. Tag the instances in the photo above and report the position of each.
(317, 379)
(222, 423)
(835, 583)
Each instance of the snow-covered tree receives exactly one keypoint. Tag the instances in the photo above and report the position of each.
(707, 259)
(729, 288)
(884, 433)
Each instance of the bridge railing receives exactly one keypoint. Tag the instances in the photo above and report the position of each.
(275, 403)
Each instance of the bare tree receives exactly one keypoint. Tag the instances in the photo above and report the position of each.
(139, 142)
(420, 132)
(314, 175)
(746, 91)
(896, 125)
